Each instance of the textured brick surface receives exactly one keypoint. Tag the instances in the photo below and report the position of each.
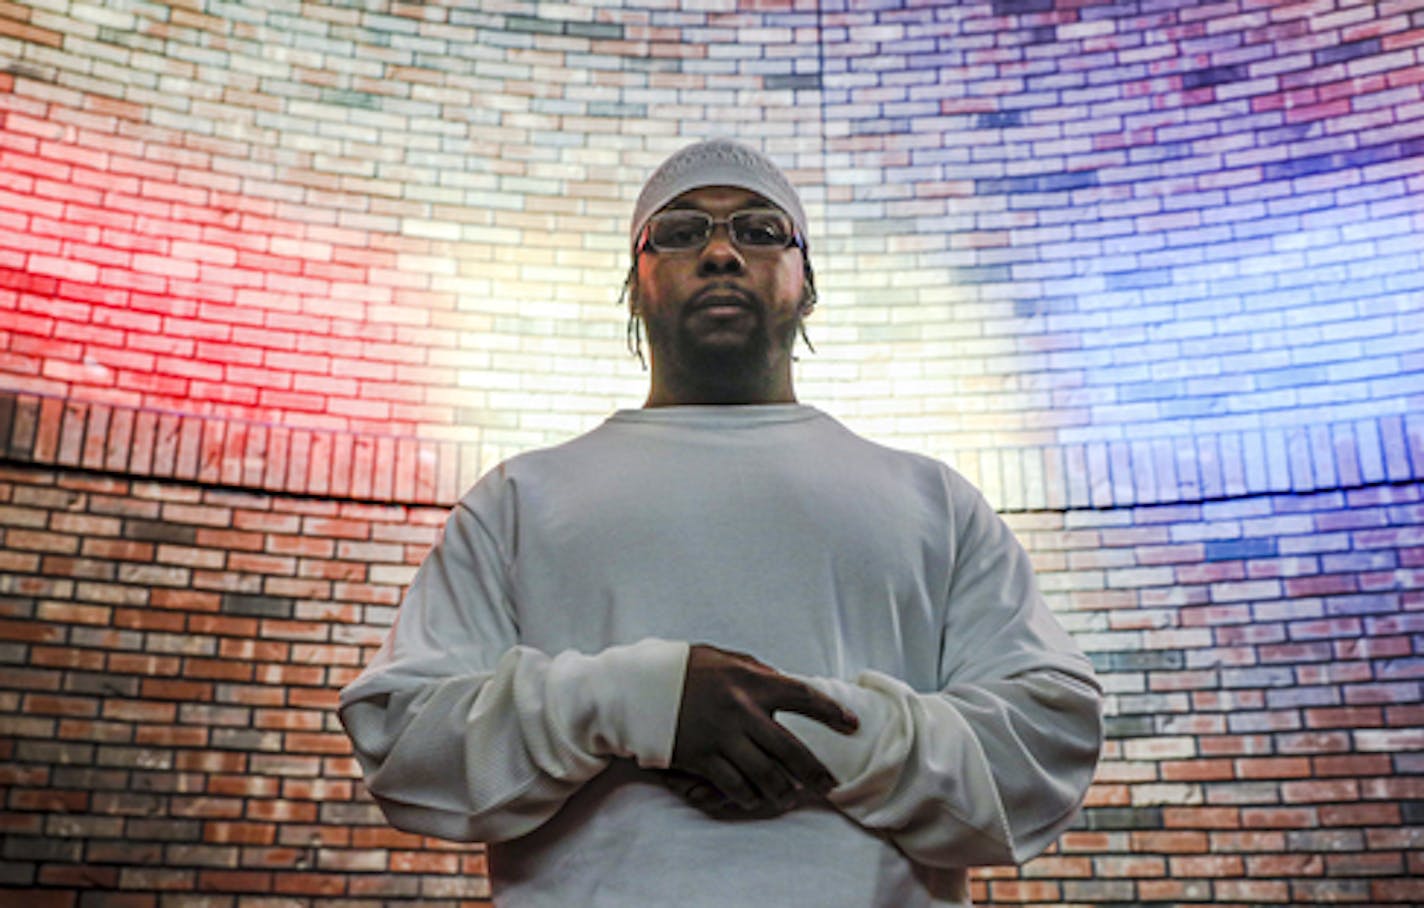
(170, 655)
(1038, 227)
(367, 466)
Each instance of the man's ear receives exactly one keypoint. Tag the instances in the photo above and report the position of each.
(630, 289)
(808, 289)
(808, 296)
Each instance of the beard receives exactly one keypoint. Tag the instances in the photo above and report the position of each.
(722, 368)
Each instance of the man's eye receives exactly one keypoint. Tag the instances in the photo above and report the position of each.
(762, 231)
(679, 233)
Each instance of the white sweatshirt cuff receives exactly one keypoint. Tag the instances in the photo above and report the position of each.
(869, 751)
(623, 701)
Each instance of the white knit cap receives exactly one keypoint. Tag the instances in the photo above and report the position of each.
(717, 162)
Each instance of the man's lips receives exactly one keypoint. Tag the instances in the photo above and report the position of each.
(721, 298)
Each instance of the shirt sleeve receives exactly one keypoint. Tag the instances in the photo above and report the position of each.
(462, 733)
(993, 766)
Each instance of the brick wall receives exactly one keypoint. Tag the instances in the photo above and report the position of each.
(1264, 729)
(1039, 226)
(170, 653)
(171, 659)
(277, 281)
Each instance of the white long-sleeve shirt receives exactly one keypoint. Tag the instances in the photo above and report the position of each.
(527, 695)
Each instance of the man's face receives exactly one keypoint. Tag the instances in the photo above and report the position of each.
(723, 308)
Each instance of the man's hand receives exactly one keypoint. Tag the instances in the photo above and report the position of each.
(699, 793)
(727, 737)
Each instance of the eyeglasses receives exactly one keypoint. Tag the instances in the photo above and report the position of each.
(688, 230)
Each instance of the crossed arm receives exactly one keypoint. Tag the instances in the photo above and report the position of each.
(1013, 760)
(987, 770)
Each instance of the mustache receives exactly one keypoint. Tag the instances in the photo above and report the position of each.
(721, 294)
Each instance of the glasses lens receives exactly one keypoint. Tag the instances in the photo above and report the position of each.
(764, 227)
(680, 229)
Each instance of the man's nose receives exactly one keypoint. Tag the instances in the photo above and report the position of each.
(720, 255)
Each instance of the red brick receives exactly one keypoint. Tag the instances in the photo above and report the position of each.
(1334, 673)
(257, 521)
(297, 587)
(1398, 890)
(217, 669)
(1104, 794)
(1352, 765)
(1198, 770)
(245, 787)
(49, 800)
(1177, 892)
(224, 832)
(206, 807)
(1365, 814)
(170, 736)
(1255, 841)
(1024, 891)
(1186, 842)
(1318, 791)
(1206, 866)
(63, 657)
(223, 625)
(139, 711)
(1279, 818)
(118, 549)
(336, 528)
(334, 570)
(1285, 865)
(1256, 892)
(313, 630)
(288, 719)
(57, 705)
(41, 541)
(1344, 717)
(254, 694)
(281, 811)
(1383, 864)
(176, 689)
(1320, 585)
(1201, 817)
(1055, 866)
(30, 34)
(252, 563)
(185, 600)
(229, 540)
(330, 743)
(211, 761)
(1273, 767)
(254, 651)
(384, 837)
(310, 883)
(317, 789)
(1410, 787)
(89, 877)
(424, 862)
(86, 568)
(242, 881)
(201, 515)
(322, 699)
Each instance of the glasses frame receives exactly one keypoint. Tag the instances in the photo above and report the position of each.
(646, 244)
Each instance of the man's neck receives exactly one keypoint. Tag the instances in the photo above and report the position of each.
(672, 393)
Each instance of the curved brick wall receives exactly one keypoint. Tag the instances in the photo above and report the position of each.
(278, 280)
(1050, 240)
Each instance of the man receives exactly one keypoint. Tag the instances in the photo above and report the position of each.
(720, 651)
